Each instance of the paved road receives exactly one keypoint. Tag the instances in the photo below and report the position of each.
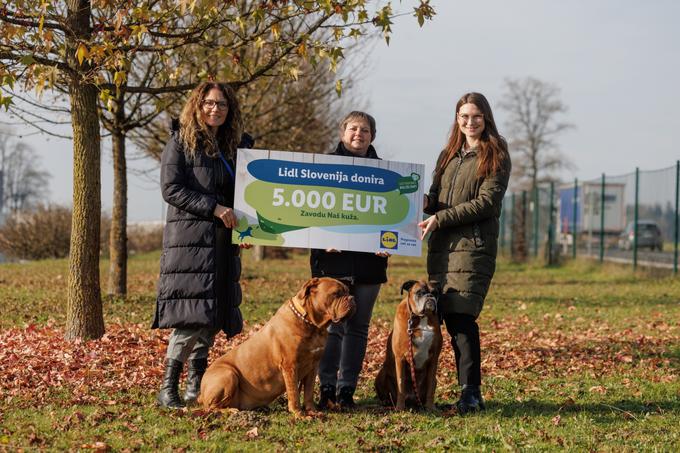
(645, 257)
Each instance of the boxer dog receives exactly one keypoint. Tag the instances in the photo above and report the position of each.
(415, 341)
(282, 356)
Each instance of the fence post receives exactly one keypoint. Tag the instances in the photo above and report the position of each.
(574, 204)
(635, 217)
(677, 201)
(534, 230)
(524, 225)
(602, 220)
(551, 225)
(512, 225)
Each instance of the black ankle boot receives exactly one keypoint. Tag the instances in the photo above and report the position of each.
(470, 400)
(169, 394)
(195, 371)
(345, 398)
(327, 398)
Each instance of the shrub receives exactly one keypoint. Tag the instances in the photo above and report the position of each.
(42, 232)
(144, 238)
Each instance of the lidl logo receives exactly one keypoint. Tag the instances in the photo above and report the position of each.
(389, 239)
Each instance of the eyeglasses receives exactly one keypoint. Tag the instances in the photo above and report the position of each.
(210, 104)
(474, 118)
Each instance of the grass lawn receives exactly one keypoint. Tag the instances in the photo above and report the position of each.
(581, 357)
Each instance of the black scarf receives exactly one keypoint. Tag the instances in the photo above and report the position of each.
(342, 151)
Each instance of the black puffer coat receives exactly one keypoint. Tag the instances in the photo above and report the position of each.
(360, 267)
(200, 268)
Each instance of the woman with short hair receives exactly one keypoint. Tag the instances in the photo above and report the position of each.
(343, 356)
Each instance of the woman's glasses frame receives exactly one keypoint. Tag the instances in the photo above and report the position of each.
(210, 104)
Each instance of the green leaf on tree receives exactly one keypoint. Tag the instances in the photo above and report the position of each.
(27, 60)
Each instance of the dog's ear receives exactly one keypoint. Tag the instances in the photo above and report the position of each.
(307, 288)
(408, 285)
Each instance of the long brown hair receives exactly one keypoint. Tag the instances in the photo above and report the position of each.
(492, 151)
(193, 131)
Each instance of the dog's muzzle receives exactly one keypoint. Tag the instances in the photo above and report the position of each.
(344, 309)
(430, 305)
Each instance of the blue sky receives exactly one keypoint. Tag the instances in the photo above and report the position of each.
(617, 63)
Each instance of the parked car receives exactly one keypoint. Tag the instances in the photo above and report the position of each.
(649, 235)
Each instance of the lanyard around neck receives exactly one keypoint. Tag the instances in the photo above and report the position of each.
(226, 164)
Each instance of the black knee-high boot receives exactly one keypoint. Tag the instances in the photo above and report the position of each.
(169, 394)
(195, 372)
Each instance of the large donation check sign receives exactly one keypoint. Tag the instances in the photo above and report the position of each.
(324, 201)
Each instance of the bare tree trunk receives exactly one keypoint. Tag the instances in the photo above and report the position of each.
(118, 236)
(84, 318)
(258, 252)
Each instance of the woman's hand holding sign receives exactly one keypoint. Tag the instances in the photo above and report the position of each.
(428, 225)
(226, 215)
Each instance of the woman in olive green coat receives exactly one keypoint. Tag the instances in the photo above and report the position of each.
(465, 200)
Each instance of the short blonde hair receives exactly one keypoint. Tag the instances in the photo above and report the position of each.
(357, 115)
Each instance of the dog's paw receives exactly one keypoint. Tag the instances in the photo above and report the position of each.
(329, 407)
(312, 413)
(299, 416)
(229, 410)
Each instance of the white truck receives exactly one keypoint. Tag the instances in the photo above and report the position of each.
(589, 209)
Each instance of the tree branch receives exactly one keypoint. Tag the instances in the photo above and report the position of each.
(7, 55)
(41, 129)
(4, 17)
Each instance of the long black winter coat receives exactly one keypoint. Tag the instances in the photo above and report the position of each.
(200, 268)
(360, 267)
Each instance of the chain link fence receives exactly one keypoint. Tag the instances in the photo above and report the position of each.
(631, 218)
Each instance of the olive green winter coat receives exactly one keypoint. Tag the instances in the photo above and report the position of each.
(462, 250)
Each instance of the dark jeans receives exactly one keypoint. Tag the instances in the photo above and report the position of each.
(346, 345)
(464, 333)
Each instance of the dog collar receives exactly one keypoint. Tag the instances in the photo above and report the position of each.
(413, 322)
(300, 312)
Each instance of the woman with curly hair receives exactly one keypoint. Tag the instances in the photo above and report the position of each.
(198, 290)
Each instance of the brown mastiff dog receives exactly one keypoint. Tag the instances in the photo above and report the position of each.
(282, 355)
(415, 340)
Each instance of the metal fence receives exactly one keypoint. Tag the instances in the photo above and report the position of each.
(631, 218)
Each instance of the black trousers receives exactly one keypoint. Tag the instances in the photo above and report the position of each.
(465, 341)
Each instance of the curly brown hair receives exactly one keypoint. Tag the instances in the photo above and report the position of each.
(193, 131)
